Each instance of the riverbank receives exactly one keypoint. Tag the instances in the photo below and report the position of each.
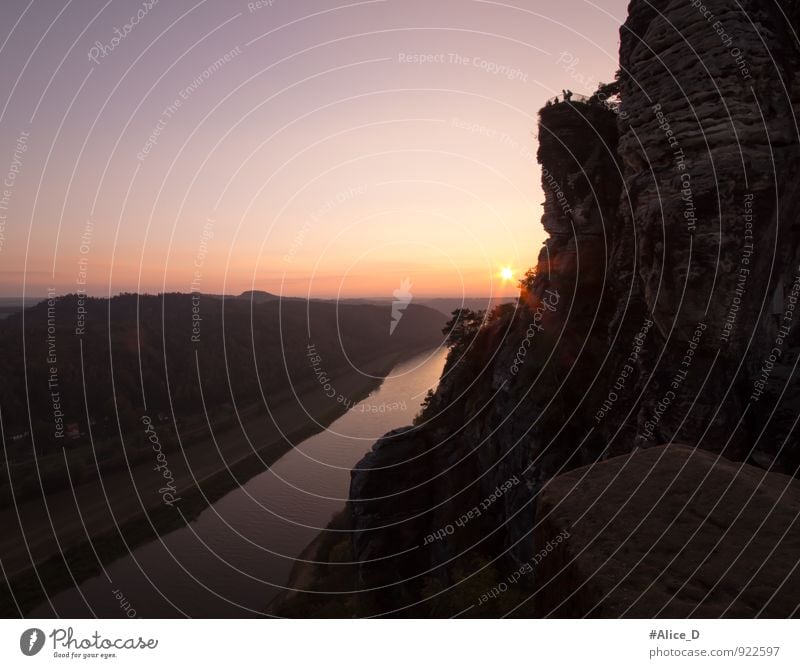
(324, 566)
(90, 534)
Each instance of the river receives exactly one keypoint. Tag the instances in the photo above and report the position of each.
(234, 557)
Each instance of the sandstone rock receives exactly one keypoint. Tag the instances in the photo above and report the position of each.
(710, 151)
(670, 531)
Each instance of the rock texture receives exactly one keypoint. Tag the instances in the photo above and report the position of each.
(661, 308)
(710, 180)
(670, 532)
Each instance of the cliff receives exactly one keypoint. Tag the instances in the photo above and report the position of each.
(661, 310)
(710, 177)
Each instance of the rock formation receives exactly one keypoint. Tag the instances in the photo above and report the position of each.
(671, 532)
(661, 309)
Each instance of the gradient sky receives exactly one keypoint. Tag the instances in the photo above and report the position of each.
(315, 160)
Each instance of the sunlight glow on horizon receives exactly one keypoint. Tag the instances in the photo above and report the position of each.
(318, 156)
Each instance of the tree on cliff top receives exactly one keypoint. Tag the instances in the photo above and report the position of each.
(461, 329)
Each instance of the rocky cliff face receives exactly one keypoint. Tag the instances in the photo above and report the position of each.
(711, 167)
(661, 310)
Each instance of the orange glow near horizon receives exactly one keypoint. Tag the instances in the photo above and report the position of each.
(325, 160)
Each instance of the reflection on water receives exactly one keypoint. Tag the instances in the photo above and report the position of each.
(227, 562)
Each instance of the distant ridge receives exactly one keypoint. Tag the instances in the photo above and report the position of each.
(259, 296)
(445, 305)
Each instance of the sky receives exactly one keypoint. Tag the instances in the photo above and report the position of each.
(303, 147)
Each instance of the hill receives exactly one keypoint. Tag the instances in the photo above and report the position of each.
(79, 367)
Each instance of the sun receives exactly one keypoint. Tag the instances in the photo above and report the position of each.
(507, 274)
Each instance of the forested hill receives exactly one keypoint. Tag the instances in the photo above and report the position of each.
(72, 360)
